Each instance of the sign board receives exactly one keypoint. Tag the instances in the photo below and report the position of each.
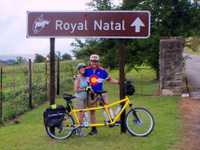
(102, 24)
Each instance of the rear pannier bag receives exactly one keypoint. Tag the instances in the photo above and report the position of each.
(54, 115)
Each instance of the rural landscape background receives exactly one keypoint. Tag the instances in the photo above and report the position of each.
(22, 128)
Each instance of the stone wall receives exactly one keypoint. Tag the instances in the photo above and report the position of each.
(171, 50)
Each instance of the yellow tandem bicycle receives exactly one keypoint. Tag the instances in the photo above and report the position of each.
(138, 121)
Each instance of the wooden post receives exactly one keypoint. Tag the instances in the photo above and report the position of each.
(46, 79)
(141, 83)
(1, 97)
(52, 71)
(30, 85)
(58, 76)
(122, 79)
(52, 75)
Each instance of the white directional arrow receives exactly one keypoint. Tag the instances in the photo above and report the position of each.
(137, 23)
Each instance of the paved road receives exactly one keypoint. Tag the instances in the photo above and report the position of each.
(193, 74)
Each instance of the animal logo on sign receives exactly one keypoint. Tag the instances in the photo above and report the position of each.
(39, 24)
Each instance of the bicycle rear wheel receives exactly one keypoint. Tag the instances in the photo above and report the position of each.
(63, 131)
(139, 122)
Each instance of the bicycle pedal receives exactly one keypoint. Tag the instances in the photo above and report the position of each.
(74, 132)
(118, 122)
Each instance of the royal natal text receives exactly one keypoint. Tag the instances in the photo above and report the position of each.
(97, 25)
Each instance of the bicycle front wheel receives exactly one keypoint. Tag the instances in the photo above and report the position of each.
(63, 131)
(139, 122)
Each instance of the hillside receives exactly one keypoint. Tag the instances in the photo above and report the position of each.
(10, 61)
(14, 56)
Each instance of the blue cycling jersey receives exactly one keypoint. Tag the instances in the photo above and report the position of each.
(96, 78)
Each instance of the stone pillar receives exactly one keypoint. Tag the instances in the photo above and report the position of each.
(171, 50)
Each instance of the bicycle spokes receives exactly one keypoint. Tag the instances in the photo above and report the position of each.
(139, 122)
(63, 131)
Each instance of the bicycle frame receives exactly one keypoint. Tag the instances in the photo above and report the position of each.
(106, 107)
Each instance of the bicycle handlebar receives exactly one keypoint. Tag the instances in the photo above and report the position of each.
(100, 92)
(129, 80)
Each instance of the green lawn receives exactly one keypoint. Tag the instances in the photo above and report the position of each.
(190, 51)
(30, 132)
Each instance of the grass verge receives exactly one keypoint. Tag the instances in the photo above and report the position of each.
(190, 51)
(30, 132)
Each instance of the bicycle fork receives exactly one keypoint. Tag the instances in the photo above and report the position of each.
(135, 114)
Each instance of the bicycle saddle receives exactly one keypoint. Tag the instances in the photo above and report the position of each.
(69, 97)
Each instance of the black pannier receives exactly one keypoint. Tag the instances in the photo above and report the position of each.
(54, 115)
(130, 90)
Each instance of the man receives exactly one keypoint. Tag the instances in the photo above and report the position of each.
(95, 76)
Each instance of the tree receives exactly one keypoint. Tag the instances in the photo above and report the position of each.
(106, 48)
(66, 56)
(20, 60)
(168, 18)
(194, 43)
(101, 4)
(58, 54)
(84, 50)
(129, 4)
(39, 58)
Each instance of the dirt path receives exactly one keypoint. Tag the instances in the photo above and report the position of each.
(191, 123)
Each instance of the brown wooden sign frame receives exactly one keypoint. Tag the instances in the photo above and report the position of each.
(91, 24)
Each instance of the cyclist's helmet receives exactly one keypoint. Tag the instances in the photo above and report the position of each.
(94, 57)
(80, 65)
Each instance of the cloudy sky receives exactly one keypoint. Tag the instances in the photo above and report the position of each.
(13, 25)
